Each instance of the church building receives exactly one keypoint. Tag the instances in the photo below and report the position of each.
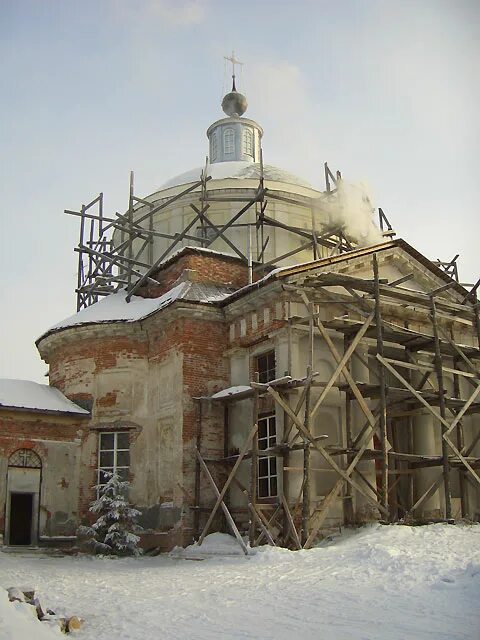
(255, 356)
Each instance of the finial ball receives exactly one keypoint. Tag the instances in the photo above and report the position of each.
(234, 104)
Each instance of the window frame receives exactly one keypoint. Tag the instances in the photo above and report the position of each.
(229, 141)
(269, 372)
(268, 476)
(115, 450)
(214, 146)
(248, 147)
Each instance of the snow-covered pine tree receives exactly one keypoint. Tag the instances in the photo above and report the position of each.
(113, 532)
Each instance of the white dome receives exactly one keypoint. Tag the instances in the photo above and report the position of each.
(238, 170)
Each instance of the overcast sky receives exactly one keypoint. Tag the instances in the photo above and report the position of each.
(386, 91)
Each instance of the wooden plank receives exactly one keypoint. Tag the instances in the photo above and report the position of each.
(170, 201)
(264, 529)
(383, 385)
(266, 522)
(459, 352)
(461, 413)
(341, 365)
(222, 493)
(355, 390)
(420, 365)
(254, 467)
(442, 407)
(291, 523)
(428, 493)
(227, 513)
(322, 451)
(306, 454)
(413, 391)
(465, 462)
(203, 218)
(157, 262)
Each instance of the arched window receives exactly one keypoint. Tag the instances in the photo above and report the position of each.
(25, 458)
(213, 151)
(247, 142)
(228, 141)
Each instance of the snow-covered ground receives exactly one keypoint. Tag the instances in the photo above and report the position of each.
(380, 582)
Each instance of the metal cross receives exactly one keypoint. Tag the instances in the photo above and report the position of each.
(234, 61)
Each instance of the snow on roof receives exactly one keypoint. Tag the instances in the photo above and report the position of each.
(231, 391)
(25, 394)
(239, 170)
(115, 308)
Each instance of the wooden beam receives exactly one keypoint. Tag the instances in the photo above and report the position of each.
(341, 365)
(322, 451)
(383, 387)
(255, 514)
(414, 392)
(227, 513)
(222, 493)
(292, 528)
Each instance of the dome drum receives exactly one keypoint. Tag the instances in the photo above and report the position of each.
(234, 139)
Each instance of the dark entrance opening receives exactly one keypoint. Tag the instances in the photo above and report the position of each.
(21, 513)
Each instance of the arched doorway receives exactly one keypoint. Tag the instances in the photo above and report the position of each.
(23, 497)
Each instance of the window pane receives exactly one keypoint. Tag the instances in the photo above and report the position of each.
(123, 473)
(263, 467)
(273, 486)
(273, 465)
(248, 142)
(262, 429)
(265, 366)
(103, 476)
(271, 360)
(106, 458)
(263, 488)
(107, 440)
(228, 141)
(123, 440)
(123, 458)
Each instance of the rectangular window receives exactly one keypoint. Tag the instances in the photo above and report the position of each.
(265, 366)
(267, 465)
(214, 146)
(228, 141)
(113, 455)
(247, 142)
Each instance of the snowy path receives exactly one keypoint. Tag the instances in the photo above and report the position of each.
(388, 583)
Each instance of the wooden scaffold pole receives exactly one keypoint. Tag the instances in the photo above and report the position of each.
(382, 385)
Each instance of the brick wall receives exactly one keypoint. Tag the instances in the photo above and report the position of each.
(209, 268)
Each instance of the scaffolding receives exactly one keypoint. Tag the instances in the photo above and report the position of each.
(407, 368)
(409, 374)
(105, 266)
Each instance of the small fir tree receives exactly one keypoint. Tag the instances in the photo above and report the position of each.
(113, 532)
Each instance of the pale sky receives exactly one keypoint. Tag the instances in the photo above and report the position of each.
(386, 91)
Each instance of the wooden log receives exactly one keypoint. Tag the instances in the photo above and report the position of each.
(73, 623)
(221, 494)
(227, 513)
(330, 499)
(292, 529)
(306, 468)
(322, 451)
(15, 594)
(256, 515)
(341, 365)
(196, 515)
(254, 469)
(267, 523)
(383, 387)
(38, 608)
